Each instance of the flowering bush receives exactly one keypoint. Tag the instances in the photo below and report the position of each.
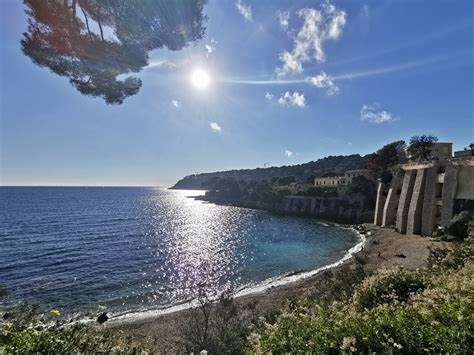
(393, 311)
(389, 286)
(23, 331)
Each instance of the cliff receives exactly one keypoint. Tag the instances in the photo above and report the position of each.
(332, 164)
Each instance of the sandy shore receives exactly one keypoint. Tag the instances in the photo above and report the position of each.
(160, 333)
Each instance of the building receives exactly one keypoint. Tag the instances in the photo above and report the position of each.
(439, 151)
(351, 174)
(330, 181)
(467, 152)
(340, 182)
(442, 151)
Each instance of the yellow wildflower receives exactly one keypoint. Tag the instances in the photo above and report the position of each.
(55, 312)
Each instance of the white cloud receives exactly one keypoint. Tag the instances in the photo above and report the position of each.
(269, 96)
(366, 10)
(284, 19)
(210, 47)
(162, 63)
(175, 103)
(289, 153)
(318, 27)
(374, 114)
(324, 81)
(244, 10)
(215, 127)
(292, 99)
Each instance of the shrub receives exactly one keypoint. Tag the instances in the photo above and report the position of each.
(389, 286)
(23, 331)
(217, 327)
(394, 311)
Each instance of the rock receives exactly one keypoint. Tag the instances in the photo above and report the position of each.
(450, 238)
(458, 226)
(102, 318)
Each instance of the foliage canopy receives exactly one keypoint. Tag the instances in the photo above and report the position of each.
(60, 37)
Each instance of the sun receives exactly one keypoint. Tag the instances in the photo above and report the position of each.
(200, 79)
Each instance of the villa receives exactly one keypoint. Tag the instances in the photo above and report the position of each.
(340, 182)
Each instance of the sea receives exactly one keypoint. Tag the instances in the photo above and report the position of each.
(129, 250)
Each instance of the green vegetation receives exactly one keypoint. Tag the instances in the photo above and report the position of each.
(261, 194)
(383, 162)
(61, 37)
(336, 165)
(24, 331)
(392, 311)
(457, 229)
(219, 328)
(420, 147)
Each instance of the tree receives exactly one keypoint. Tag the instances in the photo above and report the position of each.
(420, 147)
(61, 40)
(310, 179)
(284, 181)
(382, 162)
(360, 184)
(328, 174)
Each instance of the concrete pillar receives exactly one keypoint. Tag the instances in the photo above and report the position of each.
(449, 192)
(340, 212)
(313, 205)
(405, 199)
(416, 203)
(391, 202)
(322, 208)
(379, 205)
(304, 204)
(428, 219)
(317, 206)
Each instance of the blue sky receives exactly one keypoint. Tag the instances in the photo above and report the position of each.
(290, 82)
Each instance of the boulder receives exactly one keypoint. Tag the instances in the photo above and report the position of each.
(458, 227)
(102, 318)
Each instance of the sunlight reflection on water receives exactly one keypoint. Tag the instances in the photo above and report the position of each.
(141, 248)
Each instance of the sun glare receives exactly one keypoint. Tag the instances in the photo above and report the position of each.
(200, 79)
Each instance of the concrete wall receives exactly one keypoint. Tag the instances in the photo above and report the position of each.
(379, 204)
(404, 202)
(391, 202)
(449, 192)
(428, 219)
(416, 203)
(429, 192)
(333, 208)
(465, 189)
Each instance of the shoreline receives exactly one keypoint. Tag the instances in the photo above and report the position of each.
(277, 281)
(381, 249)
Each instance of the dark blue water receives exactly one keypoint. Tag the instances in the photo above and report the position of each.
(78, 248)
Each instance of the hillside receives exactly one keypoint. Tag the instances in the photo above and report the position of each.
(330, 164)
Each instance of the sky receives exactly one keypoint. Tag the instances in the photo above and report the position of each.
(288, 82)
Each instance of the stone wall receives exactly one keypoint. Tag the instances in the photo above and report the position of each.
(416, 203)
(449, 192)
(391, 202)
(379, 204)
(348, 210)
(404, 202)
(428, 220)
(429, 193)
